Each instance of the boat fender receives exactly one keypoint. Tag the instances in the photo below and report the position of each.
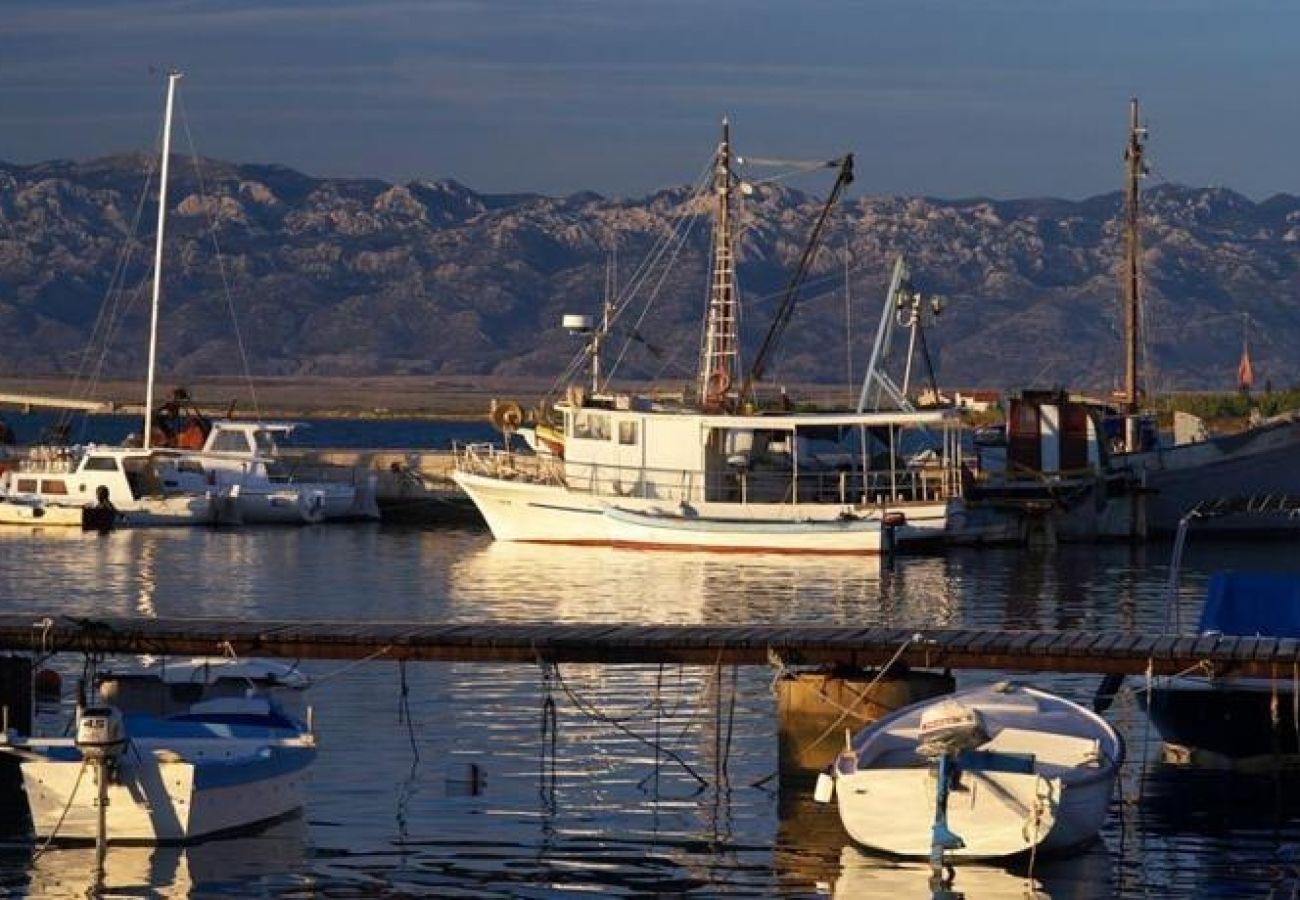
(893, 519)
(825, 790)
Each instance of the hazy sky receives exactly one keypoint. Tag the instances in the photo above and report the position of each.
(950, 98)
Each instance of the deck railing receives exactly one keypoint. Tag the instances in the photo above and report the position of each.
(818, 487)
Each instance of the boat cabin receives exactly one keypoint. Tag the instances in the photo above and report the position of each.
(630, 448)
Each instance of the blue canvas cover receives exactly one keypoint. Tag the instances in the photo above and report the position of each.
(1266, 604)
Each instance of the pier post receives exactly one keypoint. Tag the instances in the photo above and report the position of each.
(16, 701)
(815, 708)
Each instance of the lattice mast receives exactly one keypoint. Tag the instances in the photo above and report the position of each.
(1136, 169)
(720, 351)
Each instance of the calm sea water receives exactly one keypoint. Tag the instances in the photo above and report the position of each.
(477, 780)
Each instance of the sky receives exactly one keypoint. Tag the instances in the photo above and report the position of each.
(945, 98)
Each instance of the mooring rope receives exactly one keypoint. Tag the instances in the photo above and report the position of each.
(404, 708)
(67, 807)
(862, 695)
(591, 710)
(352, 665)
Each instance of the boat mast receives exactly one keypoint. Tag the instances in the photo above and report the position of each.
(718, 354)
(172, 78)
(1136, 168)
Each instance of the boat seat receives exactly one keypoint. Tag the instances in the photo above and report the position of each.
(1050, 749)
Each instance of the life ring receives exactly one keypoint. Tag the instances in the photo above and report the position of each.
(507, 416)
(717, 383)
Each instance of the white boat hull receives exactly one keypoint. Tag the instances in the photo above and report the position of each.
(161, 798)
(17, 512)
(542, 513)
(996, 814)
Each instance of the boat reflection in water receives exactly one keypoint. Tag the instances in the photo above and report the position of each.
(213, 867)
(1089, 874)
(527, 582)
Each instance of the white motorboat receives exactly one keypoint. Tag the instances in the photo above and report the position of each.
(55, 485)
(241, 462)
(181, 753)
(984, 773)
(712, 469)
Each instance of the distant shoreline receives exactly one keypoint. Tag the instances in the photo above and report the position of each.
(375, 397)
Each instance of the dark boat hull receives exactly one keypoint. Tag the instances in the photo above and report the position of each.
(1233, 720)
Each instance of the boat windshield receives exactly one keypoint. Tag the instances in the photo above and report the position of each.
(265, 441)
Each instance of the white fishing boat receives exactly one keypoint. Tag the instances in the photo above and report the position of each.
(715, 470)
(143, 484)
(1197, 467)
(984, 773)
(183, 752)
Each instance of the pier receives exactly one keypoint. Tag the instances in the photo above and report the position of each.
(787, 645)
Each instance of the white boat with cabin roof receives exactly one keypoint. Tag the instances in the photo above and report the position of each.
(145, 486)
(241, 462)
(714, 470)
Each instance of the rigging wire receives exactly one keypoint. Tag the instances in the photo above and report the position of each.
(216, 248)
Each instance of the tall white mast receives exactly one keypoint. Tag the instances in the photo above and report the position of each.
(172, 78)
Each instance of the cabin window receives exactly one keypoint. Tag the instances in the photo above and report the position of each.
(54, 487)
(230, 442)
(26, 485)
(265, 443)
(591, 426)
(100, 464)
(627, 433)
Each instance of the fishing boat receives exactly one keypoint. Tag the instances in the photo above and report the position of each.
(170, 754)
(985, 773)
(142, 483)
(1199, 468)
(1217, 717)
(713, 468)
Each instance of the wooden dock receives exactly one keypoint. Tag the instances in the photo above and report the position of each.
(789, 645)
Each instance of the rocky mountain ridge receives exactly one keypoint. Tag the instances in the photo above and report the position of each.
(353, 277)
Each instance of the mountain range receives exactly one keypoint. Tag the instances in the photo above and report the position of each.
(278, 273)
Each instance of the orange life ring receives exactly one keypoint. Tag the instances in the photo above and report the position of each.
(718, 383)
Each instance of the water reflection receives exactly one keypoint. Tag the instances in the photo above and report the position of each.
(1087, 874)
(263, 864)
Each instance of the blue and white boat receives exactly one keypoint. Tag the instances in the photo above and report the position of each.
(1233, 717)
(143, 772)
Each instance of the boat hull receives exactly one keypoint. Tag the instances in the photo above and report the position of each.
(160, 797)
(15, 512)
(1233, 718)
(996, 814)
(542, 513)
(1258, 462)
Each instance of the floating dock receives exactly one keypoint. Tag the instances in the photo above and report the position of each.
(787, 645)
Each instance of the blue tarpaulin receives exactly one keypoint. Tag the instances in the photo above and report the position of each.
(1253, 603)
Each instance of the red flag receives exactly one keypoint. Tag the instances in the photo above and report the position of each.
(1245, 374)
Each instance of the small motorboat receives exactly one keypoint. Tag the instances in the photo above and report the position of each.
(184, 752)
(985, 773)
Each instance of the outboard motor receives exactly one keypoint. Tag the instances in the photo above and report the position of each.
(101, 735)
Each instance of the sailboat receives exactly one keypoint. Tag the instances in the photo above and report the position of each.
(103, 486)
(1258, 460)
(710, 470)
